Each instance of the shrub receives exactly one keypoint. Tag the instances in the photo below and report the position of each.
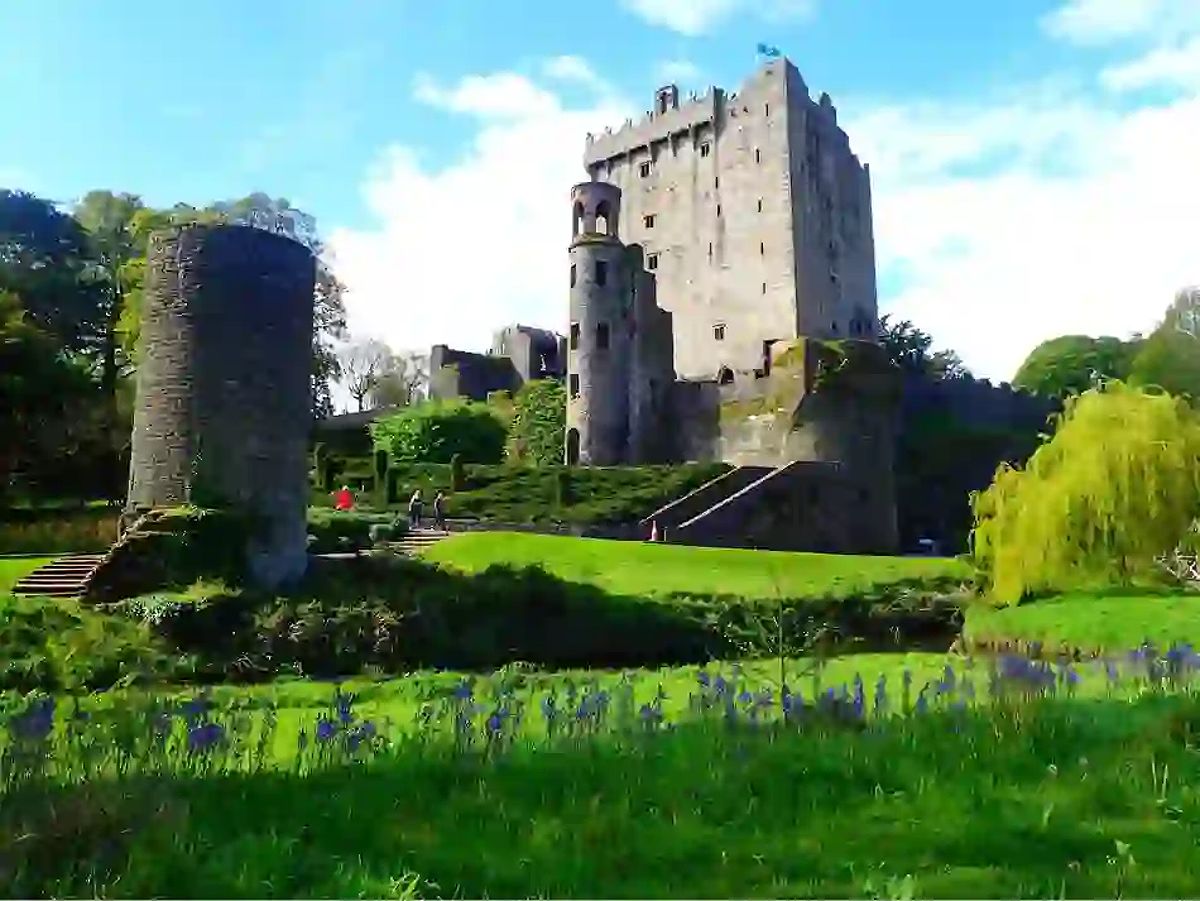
(434, 431)
(60, 532)
(539, 423)
(458, 478)
(1116, 488)
(59, 645)
(334, 531)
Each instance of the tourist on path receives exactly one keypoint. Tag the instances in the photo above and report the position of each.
(439, 511)
(344, 499)
(414, 510)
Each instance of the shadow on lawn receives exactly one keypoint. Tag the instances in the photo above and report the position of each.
(395, 614)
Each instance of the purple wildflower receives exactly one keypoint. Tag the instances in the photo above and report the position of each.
(326, 729)
(37, 722)
(204, 737)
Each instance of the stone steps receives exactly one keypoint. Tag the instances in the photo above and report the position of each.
(65, 577)
(417, 540)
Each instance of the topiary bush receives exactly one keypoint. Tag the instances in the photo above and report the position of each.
(539, 424)
(339, 531)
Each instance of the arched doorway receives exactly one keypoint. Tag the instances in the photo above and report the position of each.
(572, 447)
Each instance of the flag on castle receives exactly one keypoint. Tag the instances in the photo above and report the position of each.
(768, 51)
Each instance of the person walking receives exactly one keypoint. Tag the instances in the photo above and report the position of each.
(439, 511)
(344, 500)
(414, 510)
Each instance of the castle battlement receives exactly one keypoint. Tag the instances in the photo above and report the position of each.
(654, 126)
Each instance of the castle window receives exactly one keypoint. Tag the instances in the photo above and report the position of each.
(577, 218)
(718, 211)
(572, 275)
(717, 182)
(648, 221)
(710, 249)
(762, 248)
(574, 336)
(652, 261)
(760, 204)
(705, 148)
(725, 376)
(719, 332)
(644, 170)
(602, 216)
(766, 109)
(602, 336)
(757, 155)
(601, 273)
(574, 384)
(764, 287)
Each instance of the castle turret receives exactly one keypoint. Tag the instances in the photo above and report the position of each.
(600, 332)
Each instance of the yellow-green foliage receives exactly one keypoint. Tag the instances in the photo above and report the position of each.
(1117, 486)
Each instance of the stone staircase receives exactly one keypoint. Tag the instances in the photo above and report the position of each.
(415, 541)
(66, 577)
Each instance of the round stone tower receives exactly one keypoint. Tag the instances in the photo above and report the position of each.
(599, 335)
(223, 410)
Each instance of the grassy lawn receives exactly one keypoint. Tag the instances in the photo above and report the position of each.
(637, 568)
(13, 569)
(1045, 798)
(1090, 623)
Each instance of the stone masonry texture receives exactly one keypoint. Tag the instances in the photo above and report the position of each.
(223, 408)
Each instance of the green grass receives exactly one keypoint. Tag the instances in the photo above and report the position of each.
(13, 569)
(1034, 798)
(637, 568)
(1090, 623)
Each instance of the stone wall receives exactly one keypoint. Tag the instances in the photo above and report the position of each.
(223, 413)
(459, 373)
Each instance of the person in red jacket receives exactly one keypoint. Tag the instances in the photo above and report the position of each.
(344, 499)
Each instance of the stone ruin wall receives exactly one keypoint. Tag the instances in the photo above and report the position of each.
(223, 409)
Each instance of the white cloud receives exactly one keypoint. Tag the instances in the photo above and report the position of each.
(696, 17)
(1105, 21)
(1176, 66)
(573, 69)
(678, 71)
(502, 96)
(1094, 240)
(467, 246)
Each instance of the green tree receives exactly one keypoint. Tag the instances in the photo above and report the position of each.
(1071, 364)
(43, 255)
(539, 424)
(1170, 358)
(43, 394)
(1096, 506)
(909, 348)
(435, 431)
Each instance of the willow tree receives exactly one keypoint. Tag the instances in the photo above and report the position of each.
(1116, 487)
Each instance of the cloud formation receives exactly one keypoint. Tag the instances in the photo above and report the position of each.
(697, 17)
(466, 246)
(1008, 222)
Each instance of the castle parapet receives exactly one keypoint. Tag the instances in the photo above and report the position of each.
(656, 126)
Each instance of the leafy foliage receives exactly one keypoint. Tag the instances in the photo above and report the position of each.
(1071, 364)
(434, 431)
(1116, 487)
(1170, 358)
(909, 348)
(539, 423)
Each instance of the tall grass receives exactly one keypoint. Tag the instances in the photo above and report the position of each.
(992, 779)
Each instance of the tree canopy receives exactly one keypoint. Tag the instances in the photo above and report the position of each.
(1170, 358)
(436, 431)
(1114, 489)
(1071, 364)
(909, 348)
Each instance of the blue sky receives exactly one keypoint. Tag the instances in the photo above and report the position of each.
(1003, 137)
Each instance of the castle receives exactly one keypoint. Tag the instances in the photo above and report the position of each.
(738, 324)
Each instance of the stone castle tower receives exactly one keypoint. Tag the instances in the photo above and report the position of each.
(754, 214)
(224, 406)
(619, 347)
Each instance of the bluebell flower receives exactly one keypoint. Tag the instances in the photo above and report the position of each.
(462, 691)
(202, 738)
(720, 685)
(326, 729)
(744, 697)
(703, 678)
(922, 702)
(37, 722)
